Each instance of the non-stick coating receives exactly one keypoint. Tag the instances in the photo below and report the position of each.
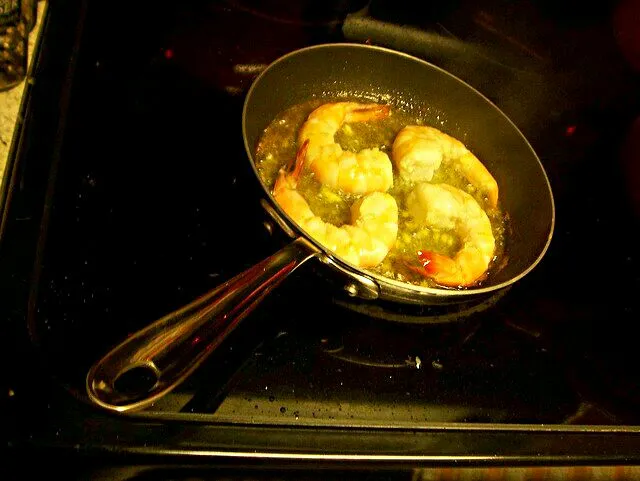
(448, 103)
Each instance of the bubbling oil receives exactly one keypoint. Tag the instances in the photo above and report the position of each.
(278, 146)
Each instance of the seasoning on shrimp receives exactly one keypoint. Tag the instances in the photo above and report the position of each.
(364, 242)
(446, 207)
(419, 150)
(368, 170)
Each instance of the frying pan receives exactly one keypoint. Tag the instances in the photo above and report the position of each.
(150, 363)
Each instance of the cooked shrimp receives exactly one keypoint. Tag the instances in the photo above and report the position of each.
(369, 170)
(365, 242)
(419, 150)
(445, 207)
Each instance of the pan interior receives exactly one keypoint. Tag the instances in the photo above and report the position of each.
(381, 75)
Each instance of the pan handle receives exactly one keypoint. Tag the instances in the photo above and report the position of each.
(156, 359)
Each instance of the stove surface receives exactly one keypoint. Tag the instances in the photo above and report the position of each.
(154, 202)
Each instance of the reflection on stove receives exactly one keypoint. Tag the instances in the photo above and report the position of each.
(363, 371)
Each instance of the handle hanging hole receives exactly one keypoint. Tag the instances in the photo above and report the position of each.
(138, 380)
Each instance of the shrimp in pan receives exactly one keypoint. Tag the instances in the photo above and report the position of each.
(368, 170)
(365, 242)
(419, 150)
(446, 207)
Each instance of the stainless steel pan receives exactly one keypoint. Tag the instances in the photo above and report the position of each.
(155, 360)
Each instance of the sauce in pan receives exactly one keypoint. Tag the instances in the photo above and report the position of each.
(278, 147)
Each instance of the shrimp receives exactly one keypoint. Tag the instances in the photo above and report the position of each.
(374, 220)
(361, 172)
(418, 152)
(446, 207)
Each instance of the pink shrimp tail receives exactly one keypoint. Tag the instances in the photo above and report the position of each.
(301, 156)
(439, 267)
(368, 112)
(434, 263)
(289, 180)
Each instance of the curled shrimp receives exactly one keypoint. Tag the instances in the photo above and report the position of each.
(419, 150)
(368, 170)
(446, 207)
(374, 220)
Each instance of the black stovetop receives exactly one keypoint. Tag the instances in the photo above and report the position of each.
(147, 200)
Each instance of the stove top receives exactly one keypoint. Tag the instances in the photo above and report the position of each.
(149, 201)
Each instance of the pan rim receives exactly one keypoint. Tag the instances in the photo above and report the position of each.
(421, 292)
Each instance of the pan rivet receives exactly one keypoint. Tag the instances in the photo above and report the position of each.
(269, 227)
(351, 289)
